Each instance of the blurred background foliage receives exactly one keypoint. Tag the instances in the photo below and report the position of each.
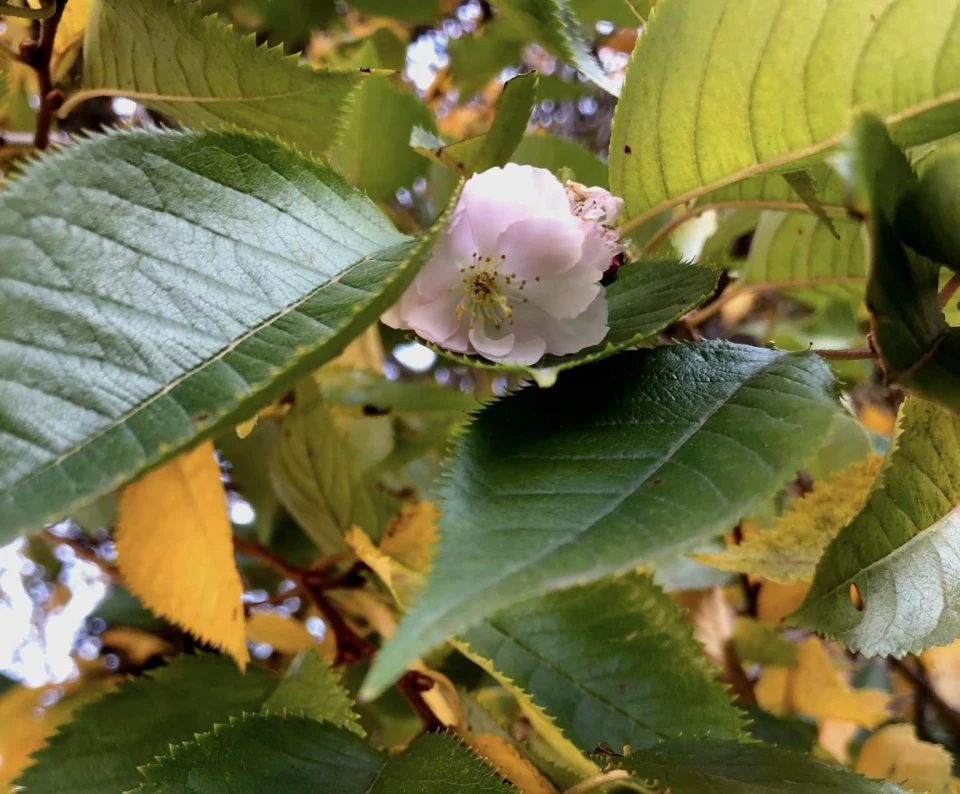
(70, 631)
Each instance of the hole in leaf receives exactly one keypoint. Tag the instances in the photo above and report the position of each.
(856, 599)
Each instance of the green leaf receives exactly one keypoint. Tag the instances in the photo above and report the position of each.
(420, 12)
(159, 53)
(377, 395)
(555, 26)
(295, 755)
(312, 689)
(548, 489)
(476, 60)
(267, 267)
(493, 148)
(612, 663)
(616, 11)
(916, 345)
(900, 552)
(927, 218)
(723, 767)
(646, 298)
(769, 87)
(804, 185)
(438, 764)
(374, 153)
(317, 478)
(99, 750)
(547, 151)
(259, 753)
(797, 253)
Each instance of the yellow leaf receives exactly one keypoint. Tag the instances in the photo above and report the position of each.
(776, 601)
(363, 353)
(508, 762)
(818, 688)
(73, 24)
(835, 736)
(772, 691)
(878, 420)
(284, 633)
(895, 753)
(403, 558)
(943, 667)
(791, 550)
(175, 550)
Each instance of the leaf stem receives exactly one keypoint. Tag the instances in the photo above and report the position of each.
(38, 55)
(849, 354)
(943, 298)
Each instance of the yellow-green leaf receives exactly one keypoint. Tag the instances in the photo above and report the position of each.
(791, 550)
(175, 550)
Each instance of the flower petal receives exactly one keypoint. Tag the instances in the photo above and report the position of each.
(493, 200)
(564, 337)
(542, 247)
(563, 298)
(436, 320)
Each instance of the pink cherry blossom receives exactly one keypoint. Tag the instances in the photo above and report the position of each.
(517, 274)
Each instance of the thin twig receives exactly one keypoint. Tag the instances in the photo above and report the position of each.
(351, 646)
(636, 13)
(39, 56)
(948, 291)
(85, 553)
(849, 354)
(948, 716)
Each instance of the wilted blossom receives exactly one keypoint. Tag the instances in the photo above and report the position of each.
(518, 272)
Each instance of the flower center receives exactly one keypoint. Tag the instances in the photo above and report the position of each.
(486, 292)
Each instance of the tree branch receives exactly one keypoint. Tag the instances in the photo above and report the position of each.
(918, 679)
(850, 354)
(948, 291)
(85, 553)
(38, 55)
(351, 647)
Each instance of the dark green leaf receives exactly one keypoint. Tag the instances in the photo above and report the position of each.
(646, 298)
(202, 271)
(159, 53)
(260, 753)
(804, 185)
(478, 59)
(622, 463)
(917, 347)
(99, 750)
(612, 663)
(696, 767)
(928, 217)
(312, 689)
(438, 764)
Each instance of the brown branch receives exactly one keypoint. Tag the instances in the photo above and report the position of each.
(39, 55)
(918, 679)
(850, 354)
(351, 646)
(948, 291)
(85, 553)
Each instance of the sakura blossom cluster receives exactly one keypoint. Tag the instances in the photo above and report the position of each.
(517, 274)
